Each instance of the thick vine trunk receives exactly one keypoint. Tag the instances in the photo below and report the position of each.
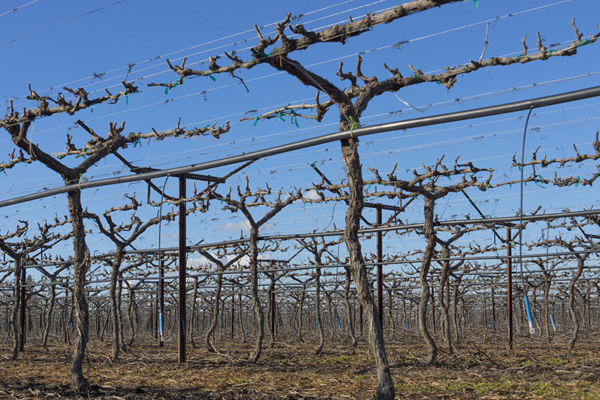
(80, 267)
(241, 320)
(443, 298)
(573, 339)
(215, 319)
(547, 309)
(258, 311)
(15, 310)
(270, 306)
(318, 309)
(299, 314)
(120, 318)
(114, 305)
(48, 318)
(349, 325)
(425, 289)
(193, 321)
(131, 314)
(385, 386)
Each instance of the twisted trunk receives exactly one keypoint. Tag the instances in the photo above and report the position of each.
(215, 319)
(114, 275)
(15, 310)
(425, 289)
(241, 320)
(299, 314)
(318, 309)
(385, 386)
(48, 317)
(443, 297)
(580, 265)
(131, 314)
(80, 267)
(193, 319)
(349, 324)
(258, 311)
(547, 308)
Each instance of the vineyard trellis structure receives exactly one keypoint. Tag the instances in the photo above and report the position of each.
(480, 280)
(449, 285)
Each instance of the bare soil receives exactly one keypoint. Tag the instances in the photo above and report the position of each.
(479, 368)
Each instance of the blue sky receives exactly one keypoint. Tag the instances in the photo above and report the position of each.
(146, 33)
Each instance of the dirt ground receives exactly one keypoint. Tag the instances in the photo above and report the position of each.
(478, 368)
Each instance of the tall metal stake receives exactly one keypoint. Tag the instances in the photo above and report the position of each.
(509, 288)
(182, 270)
(161, 300)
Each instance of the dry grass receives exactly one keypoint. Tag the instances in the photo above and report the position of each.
(480, 368)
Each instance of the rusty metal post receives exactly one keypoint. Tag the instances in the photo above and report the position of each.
(161, 322)
(182, 270)
(509, 305)
(156, 312)
(360, 318)
(23, 310)
(379, 267)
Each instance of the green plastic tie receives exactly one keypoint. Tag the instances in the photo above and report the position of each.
(295, 118)
(519, 167)
(550, 52)
(510, 185)
(212, 77)
(166, 90)
(519, 57)
(577, 183)
(540, 182)
(353, 126)
(281, 116)
(313, 164)
(436, 80)
(25, 162)
(25, 233)
(136, 142)
(448, 176)
(176, 83)
(81, 179)
(476, 2)
(416, 77)
(586, 41)
(126, 100)
(255, 121)
(93, 105)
